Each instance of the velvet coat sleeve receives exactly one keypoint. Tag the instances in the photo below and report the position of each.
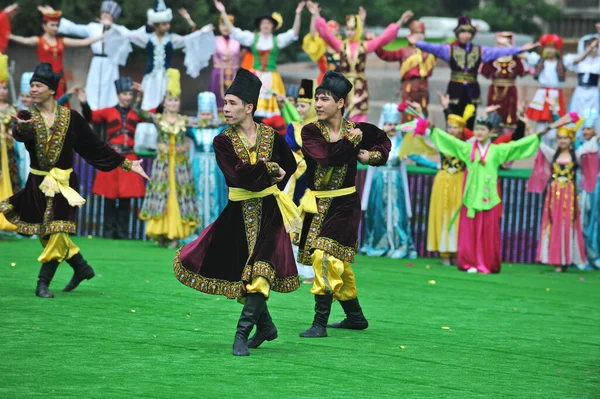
(96, 152)
(376, 142)
(237, 172)
(23, 133)
(326, 154)
(285, 159)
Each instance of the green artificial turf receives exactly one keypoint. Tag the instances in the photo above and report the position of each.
(135, 331)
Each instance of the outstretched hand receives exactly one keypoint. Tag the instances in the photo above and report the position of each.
(444, 99)
(137, 168)
(406, 16)
(313, 8)
(12, 10)
(219, 6)
(530, 46)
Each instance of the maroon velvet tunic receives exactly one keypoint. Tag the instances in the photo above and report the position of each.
(333, 166)
(248, 239)
(29, 209)
(503, 91)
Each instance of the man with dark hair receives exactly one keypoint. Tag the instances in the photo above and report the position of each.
(247, 251)
(116, 186)
(331, 147)
(47, 206)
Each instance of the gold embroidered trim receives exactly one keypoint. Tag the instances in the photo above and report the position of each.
(375, 158)
(234, 289)
(48, 149)
(273, 168)
(332, 247)
(252, 211)
(265, 137)
(126, 165)
(42, 229)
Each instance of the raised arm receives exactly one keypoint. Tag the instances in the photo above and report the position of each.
(520, 149)
(387, 55)
(326, 35)
(423, 161)
(139, 37)
(439, 50)
(298, 18)
(450, 145)
(67, 27)
(388, 36)
(245, 37)
(32, 41)
(315, 146)
(83, 42)
(493, 53)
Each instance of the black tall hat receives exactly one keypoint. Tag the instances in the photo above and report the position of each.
(43, 73)
(336, 83)
(306, 91)
(245, 86)
(124, 84)
(274, 17)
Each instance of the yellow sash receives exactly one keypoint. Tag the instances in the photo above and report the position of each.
(425, 66)
(308, 203)
(57, 181)
(289, 211)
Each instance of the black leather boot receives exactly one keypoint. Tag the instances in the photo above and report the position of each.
(322, 310)
(252, 309)
(265, 330)
(122, 220)
(44, 278)
(355, 319)
(82, 271)
(110, 218)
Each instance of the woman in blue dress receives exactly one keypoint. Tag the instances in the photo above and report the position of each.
(386, 198)
(211, 191)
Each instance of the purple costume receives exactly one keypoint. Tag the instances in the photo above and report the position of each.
(464, 61)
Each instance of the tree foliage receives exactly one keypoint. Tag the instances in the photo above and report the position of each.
(515, 15)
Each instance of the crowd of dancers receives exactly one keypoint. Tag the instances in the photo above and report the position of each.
(260, 185)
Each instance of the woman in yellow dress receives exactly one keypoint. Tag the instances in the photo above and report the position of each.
(447, 195)
(8, 158)
(170, 203)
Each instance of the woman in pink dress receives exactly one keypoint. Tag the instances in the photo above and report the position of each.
(561, 241)
(226, 61)
(353, 55)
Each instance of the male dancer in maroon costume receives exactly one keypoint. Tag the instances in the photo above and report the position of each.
(118, 187)
(247, 252)
(47, 206)
(331, 147)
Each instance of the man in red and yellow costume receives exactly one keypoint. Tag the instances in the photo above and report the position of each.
(416, 67)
